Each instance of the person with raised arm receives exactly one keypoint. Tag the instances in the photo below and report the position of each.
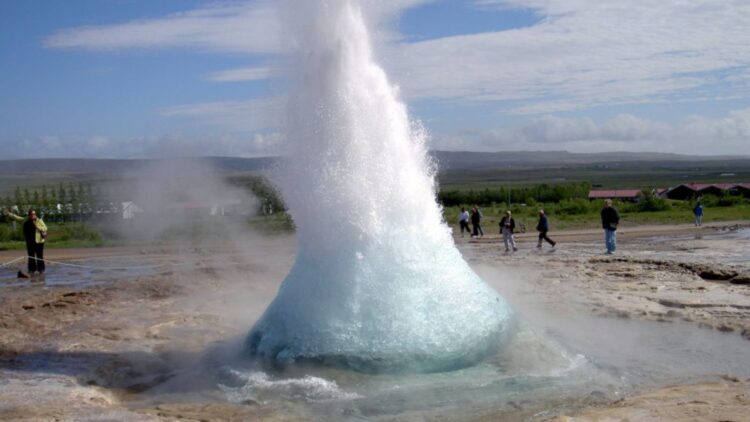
(35, 233)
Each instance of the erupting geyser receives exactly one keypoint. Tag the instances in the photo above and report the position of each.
(378, 284)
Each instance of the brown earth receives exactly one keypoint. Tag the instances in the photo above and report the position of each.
(103, 349)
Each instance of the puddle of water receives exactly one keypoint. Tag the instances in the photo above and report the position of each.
(91, 273)
(548, 367)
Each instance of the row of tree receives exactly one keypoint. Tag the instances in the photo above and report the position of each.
(51, 195)
(539, 193)
(65, 202)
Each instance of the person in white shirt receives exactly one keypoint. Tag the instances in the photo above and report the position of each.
(463, 221)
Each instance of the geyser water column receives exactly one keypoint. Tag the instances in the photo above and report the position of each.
(378, 284)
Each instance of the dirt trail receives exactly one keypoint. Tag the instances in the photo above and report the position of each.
(623, 232)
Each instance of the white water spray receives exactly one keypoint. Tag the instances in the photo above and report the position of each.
(378, 284)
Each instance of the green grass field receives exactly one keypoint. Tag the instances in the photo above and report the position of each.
(613, 175)
(67, 235)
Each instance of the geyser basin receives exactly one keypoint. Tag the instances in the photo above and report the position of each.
(378, 284)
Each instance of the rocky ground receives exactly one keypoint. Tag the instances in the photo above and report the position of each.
(725, 400)
(701, 277)
(695, 276)
(103, 351)
(100, 352)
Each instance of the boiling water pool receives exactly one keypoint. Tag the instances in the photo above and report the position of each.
(546, 369)
(555, 362)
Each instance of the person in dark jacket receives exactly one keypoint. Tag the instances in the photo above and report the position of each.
(35, 233)
(543, 227)
(610, 220)
(476, 221)
(507, 226)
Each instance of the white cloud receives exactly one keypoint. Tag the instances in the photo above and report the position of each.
(236, 27)
(235, 116)
(585, 53)
(227, 28)
(243, 74)
(726, 135)
(581, 54)
(238, 145)
(99, 142)
(733, 128)
(694, 135)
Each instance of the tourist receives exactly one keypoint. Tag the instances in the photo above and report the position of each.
(543, 227)
(610, 220)
(698, 211)
(476, 222)
(479, 224)
(507, 226)
(463, 221)
(35, 233)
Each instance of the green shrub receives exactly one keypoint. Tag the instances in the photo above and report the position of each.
(649, 202)
(574, 206)
(729, 201)
(7, 234)
(67, 232)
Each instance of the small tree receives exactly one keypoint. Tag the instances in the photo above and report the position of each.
(651, 202)
(61, 194)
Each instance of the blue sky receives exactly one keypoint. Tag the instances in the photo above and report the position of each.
(134, 78)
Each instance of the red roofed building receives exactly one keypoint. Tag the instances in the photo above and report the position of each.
(693, 190)
(623, 194)
(743, 189)
(661, 192)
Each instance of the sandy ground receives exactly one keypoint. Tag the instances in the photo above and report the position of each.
(104, 350)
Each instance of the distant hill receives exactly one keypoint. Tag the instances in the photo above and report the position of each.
(456, 169)
(469, 160)
(115, 166)
(447, 161)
